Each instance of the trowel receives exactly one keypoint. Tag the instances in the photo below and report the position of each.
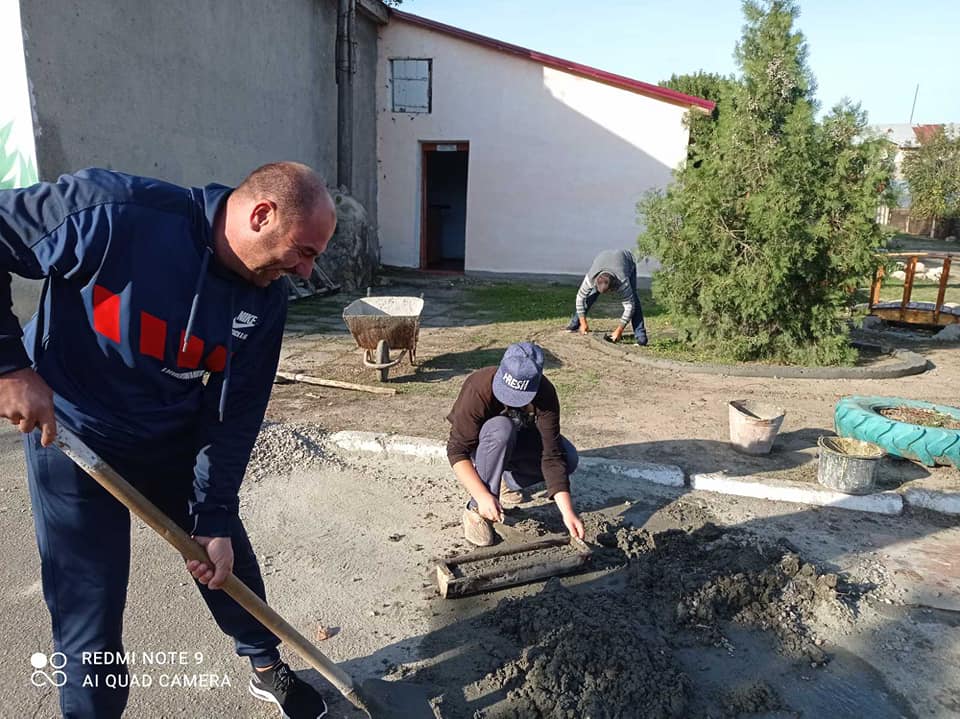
(379, 699)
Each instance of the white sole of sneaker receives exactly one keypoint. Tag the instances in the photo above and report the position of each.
(268, 697)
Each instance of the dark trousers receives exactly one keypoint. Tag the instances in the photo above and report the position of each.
(83, 535)
(514, 455)
(639, 329)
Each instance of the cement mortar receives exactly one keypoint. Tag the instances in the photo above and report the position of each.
(611, 651)
(511, 562)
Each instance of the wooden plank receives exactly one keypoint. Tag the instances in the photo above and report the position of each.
(932, 255)
(451, 585)
(942, 292)
(875, 287)
(505, 550)
(307, 379)
(908, 285)
(916, 317)
(489, 581)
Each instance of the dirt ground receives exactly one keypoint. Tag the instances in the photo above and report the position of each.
(695, 604)
(608, 407)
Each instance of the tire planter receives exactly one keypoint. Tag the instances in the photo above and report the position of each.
(859, 417)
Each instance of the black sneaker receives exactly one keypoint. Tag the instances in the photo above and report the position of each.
(295, 698)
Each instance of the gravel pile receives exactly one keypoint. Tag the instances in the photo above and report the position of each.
(282, 448)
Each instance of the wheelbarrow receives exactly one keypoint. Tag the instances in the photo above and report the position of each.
(382, 324)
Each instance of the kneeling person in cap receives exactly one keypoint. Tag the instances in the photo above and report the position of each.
(505, 436)
(611, 271)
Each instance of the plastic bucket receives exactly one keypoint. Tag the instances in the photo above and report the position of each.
(754, 425)
(848, 465)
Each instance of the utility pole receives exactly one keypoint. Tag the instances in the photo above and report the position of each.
(914, 106)
(346, 67)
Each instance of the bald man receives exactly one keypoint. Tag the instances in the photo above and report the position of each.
(156, 341)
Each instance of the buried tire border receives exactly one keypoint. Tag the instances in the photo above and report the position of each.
(859, 418)
(908, 363)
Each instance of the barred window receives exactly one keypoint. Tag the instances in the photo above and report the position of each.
(410, 82)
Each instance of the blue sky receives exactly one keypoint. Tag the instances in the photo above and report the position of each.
(872, 52)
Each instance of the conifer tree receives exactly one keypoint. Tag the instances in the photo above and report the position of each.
(763, 240)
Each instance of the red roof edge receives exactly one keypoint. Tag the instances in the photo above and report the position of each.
(923, 133)
(592, 73)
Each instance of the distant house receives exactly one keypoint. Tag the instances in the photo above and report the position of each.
(907, 139)
(496, 158)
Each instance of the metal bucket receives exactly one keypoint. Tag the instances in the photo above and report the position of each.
(754, 425)
(848, 465)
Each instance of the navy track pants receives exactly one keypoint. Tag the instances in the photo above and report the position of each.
(83, 535)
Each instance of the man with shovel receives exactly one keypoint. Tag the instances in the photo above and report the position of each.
(156, 341)
(505, 437)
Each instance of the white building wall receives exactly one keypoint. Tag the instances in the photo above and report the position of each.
(557, 162)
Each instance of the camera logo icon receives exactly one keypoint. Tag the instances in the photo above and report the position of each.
(55, 663)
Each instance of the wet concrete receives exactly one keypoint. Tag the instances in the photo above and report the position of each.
(701, 622)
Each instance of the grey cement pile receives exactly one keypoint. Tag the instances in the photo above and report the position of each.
(586, 659)
(609, 649)
(283, 448)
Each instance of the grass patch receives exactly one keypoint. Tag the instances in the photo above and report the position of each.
(903, 242)
(923, 290)
(525, 302)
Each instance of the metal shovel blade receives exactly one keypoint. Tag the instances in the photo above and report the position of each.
(396, 700)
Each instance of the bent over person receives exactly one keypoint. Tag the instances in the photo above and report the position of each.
(611, 271)
(156, 341)
(505, 437)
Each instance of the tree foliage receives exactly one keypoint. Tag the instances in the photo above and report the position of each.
(763, 240)
(709, 86)
(933, 175)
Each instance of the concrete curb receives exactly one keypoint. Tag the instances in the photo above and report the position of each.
(933, 500)
(909, 363)
(798, 493)
(667, 475)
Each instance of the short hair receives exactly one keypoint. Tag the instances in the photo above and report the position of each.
(295, 187)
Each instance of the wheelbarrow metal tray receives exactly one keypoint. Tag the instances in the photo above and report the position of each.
(394, 319)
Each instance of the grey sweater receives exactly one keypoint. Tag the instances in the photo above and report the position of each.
(621, 265)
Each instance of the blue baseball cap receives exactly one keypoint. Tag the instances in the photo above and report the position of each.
(518, 377)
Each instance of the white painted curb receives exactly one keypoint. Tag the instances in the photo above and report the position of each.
(667, 475)
(945, 502)
(798, 493)
(433, 451)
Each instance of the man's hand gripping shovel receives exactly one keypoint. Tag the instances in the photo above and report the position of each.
(378, 698)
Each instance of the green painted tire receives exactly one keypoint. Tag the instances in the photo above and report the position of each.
(859, 417)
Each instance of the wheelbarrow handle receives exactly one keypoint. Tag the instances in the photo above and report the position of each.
(74, 448)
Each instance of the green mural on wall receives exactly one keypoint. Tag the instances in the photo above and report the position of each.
(17, 169)
(18, 159)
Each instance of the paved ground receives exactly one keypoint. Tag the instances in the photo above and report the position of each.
(348, 543)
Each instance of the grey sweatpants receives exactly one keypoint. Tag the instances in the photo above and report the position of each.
(513, 454)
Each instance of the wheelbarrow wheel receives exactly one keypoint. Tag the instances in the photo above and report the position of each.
(382, 357)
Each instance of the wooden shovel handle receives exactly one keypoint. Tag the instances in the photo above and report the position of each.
(109, 479)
